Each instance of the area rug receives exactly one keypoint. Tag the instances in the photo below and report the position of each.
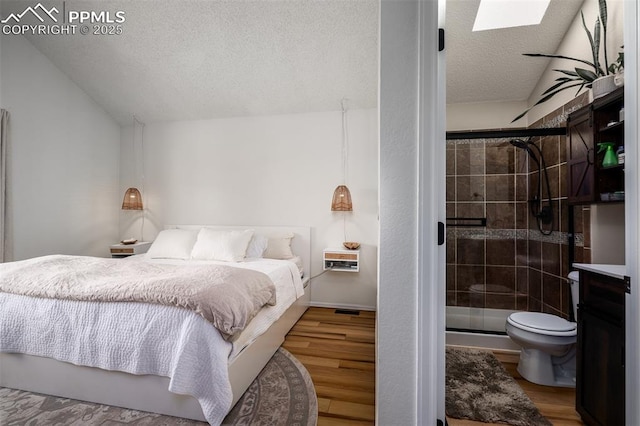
(479, 388)
(282, 394)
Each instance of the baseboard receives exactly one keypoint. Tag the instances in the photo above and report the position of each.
(479, 340)
(342, 306)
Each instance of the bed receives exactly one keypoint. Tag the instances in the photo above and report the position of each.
(245, 353)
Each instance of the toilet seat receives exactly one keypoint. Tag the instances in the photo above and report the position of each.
(540, 323)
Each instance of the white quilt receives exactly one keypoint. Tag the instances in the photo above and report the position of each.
(139, 338)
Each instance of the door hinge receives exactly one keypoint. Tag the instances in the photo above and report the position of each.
(627, 284)
(440, 39)
(441, 233)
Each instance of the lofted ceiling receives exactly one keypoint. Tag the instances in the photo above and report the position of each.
(486, 66)
(195, 59)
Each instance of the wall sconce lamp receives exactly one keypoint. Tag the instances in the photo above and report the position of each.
(132, 200)
(341, 201)
(132, 197)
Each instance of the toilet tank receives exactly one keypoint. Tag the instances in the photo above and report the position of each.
(574, 282)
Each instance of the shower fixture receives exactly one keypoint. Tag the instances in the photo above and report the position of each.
(543, 213)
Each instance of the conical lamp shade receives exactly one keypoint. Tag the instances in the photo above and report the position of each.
(341, 200)
(132, 200)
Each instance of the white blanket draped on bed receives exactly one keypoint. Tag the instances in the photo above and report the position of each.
(140, 338)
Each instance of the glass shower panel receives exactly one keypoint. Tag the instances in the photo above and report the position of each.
(486, 231)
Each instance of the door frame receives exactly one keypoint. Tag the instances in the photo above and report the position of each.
(632, 205)
(432, 214)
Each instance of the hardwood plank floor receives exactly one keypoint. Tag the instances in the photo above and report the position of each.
(339, 352)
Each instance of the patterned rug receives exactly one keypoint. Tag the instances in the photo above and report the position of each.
(479, 388)
(282, 394)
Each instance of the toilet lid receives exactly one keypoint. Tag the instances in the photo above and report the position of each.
(543, 322)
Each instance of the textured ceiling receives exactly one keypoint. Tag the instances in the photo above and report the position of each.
(205, 59)
(191, 59)
(486, 66)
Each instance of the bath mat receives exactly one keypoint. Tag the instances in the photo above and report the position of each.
(282, 394)
(479, 388)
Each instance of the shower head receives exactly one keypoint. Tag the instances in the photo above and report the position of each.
(543, 214)
(519, 143)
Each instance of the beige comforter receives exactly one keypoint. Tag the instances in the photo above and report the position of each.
(227, 297)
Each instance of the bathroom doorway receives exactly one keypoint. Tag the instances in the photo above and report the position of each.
(631, 19)
(501, 257)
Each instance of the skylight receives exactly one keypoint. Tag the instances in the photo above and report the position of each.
(494, 14)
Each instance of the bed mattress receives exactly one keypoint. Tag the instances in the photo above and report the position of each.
(140, 338)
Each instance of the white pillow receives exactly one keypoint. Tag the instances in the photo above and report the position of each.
(229, 246)
(257, 246)
(279, 247)
(173, 244)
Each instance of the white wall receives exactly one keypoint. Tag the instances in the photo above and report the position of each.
(397, 319)
(608, 234)
(483, 115)
(273, 170)
(63, 165)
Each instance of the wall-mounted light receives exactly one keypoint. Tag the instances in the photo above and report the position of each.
(132, 197)
(341, 201)
(132, 200)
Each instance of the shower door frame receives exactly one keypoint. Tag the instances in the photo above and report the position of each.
(497, 339)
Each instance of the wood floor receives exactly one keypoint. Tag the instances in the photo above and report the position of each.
(339, 352)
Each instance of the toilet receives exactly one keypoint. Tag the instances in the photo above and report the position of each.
(548, 355)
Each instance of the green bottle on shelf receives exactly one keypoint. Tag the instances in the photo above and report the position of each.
(610, 158)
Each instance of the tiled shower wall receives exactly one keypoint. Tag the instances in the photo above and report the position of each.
(487, 266)
(509, 264)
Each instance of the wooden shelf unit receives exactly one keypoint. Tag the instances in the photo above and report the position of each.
(341, 260)
(590, 125)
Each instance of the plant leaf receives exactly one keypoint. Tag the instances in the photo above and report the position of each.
(552, 94)
(596, 46)
(586, 75)
(554, 87)
(594, 51)
(546, 98)
(521, 115)
(567, 72)
(603, 13)
(604, 17)
(544, 55)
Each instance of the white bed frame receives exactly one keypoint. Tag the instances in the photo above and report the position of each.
(149, 392)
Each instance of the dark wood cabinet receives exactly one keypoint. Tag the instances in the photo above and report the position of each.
(600, 377)
(598, 122)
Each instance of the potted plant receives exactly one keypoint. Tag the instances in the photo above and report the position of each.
(617, 68)
(596, 77)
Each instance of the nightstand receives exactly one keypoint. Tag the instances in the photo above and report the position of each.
(124, 250)
(341, 260)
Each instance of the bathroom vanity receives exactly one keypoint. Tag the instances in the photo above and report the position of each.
(600, 379)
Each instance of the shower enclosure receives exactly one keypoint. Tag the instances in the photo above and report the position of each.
(510, 231)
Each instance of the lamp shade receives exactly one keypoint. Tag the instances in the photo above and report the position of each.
(341, 200)
(132, 200)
